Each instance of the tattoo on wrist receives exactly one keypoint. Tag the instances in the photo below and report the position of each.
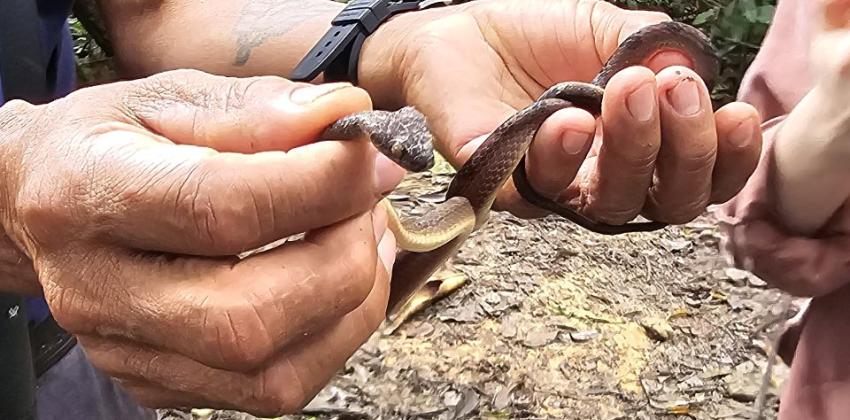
(260, 20)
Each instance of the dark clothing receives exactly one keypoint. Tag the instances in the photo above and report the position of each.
(69, 387)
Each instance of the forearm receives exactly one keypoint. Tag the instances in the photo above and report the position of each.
(810, 155)
(225, 37)
(232, 37)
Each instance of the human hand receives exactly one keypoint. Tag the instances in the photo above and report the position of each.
(133, 199)
(809, 171)
(790, 225)
(661, 151)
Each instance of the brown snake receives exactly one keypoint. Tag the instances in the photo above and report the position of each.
(428, 241)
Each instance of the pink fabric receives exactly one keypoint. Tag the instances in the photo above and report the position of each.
(819, 347)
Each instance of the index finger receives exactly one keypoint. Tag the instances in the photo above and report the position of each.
(618, 184)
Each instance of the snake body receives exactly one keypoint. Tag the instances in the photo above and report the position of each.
(426, 242)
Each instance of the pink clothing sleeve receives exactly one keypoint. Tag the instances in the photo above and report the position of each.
(753, 236)
(818, 346)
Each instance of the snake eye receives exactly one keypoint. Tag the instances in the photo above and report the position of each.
(397, 149)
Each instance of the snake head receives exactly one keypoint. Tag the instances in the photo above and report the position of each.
(413, 152)
(404, 137)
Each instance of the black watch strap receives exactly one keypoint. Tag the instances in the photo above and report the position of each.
(337, 54)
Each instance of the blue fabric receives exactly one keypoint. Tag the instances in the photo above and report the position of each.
(59, 54)
(57, 46)
(74, 389)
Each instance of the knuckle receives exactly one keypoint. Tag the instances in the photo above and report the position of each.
(240, 335)
(637, 159)
(140, 362)
(674, 211)
(239, 92)
(44, 209)
(275, 400)
(77, 202)
(358, 276)
(175, 87)
(64, 306)
(223, 217)
(287, 402)
(697, 161)
(78, 304)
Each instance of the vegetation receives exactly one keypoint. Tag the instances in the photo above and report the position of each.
(736, 28)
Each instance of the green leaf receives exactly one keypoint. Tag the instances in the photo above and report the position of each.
(705, 16)
(765, 14)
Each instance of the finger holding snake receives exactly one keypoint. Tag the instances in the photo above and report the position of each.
(470, 67)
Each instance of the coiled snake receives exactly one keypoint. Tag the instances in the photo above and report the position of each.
(428, 241)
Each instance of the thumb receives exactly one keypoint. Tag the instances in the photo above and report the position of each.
(244, 115)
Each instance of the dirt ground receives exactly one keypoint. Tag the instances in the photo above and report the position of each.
(555, 322)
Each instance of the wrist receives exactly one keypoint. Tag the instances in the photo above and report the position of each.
(388, 55)
(379, 69)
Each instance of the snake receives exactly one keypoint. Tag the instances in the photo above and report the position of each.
(426, 242)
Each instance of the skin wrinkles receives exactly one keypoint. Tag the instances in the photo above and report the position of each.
(202, 114)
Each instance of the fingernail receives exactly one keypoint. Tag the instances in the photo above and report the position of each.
(387, 250)
(379, 222)
(685, 97)
(309, 93)
(387, 174)
(573, 142)
(641, 103)
(742, 134)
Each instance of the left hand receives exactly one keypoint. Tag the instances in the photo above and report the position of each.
(469, 67)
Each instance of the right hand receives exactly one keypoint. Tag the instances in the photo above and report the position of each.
(132, 200)
(662, 151)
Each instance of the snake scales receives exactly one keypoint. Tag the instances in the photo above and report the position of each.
(428, 241)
